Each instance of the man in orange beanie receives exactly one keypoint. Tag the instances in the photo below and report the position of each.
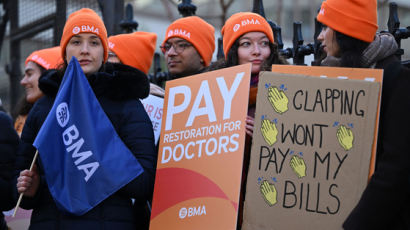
(136, 50)
(188, 46)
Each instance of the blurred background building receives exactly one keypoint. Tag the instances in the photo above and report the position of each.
(29, 25)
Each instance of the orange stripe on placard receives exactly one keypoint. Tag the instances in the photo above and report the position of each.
(192, 185)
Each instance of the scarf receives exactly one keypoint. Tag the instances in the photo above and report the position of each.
(383, 45)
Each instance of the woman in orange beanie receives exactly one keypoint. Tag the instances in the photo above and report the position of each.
(248, 38)
(36, 64)
(118, 89)
(385, 203)
(136, 50)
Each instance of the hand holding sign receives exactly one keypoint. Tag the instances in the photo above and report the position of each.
(268, 192)
(345, 137)
(269, 131)
(298, 166)
(278, 100)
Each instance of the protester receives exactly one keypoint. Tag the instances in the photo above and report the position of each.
(36, 64)
(8, 146)
(118, 89)
(248, 42)
(136, 50)
(385, 203)
(251, 42)
(188, 46)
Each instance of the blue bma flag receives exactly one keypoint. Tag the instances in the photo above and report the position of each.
(84, 159)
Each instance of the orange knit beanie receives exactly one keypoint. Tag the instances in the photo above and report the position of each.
(84, 21)
(355, 18)
(196, 31)
(242, 23)
(47, 58)
(136, 49)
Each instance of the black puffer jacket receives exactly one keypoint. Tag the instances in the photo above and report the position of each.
(118, 89)
(8, 146)
(385, 204)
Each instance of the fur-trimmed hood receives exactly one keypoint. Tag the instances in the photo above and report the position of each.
(115, 81)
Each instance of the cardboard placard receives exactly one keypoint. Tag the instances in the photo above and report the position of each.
(311, 149)
(374, 75)
(154, 107)
(201, 149)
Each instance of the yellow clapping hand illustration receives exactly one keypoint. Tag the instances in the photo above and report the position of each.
(298, 166)
(345, 137)
(268, 192)
(269, 131)
(278, 99)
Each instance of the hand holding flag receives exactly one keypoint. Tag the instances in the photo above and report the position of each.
(84, 159)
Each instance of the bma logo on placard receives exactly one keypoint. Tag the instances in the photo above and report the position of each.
(192, 211)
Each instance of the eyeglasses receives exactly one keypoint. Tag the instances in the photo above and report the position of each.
(111, 54)
(178, 47)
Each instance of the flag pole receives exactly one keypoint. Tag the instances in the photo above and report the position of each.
(21, 194)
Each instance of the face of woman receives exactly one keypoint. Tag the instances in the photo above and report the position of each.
(253, 48)
(32, 73)
(89, 51)
(328, 38)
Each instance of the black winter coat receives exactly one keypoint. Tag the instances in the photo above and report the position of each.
(9, 141)
(118, 89)
(385, 203)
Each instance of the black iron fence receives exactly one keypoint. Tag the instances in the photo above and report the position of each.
(38, 24)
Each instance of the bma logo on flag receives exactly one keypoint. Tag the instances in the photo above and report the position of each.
(63, 115)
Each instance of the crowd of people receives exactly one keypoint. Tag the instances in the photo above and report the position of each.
(117, 66)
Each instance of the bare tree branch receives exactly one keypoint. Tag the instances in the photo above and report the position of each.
(279, 12)
(224, 8)
(382, 3)
(167, 7)
(173, 3)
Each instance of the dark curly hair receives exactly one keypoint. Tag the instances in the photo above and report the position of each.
(351, 50)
